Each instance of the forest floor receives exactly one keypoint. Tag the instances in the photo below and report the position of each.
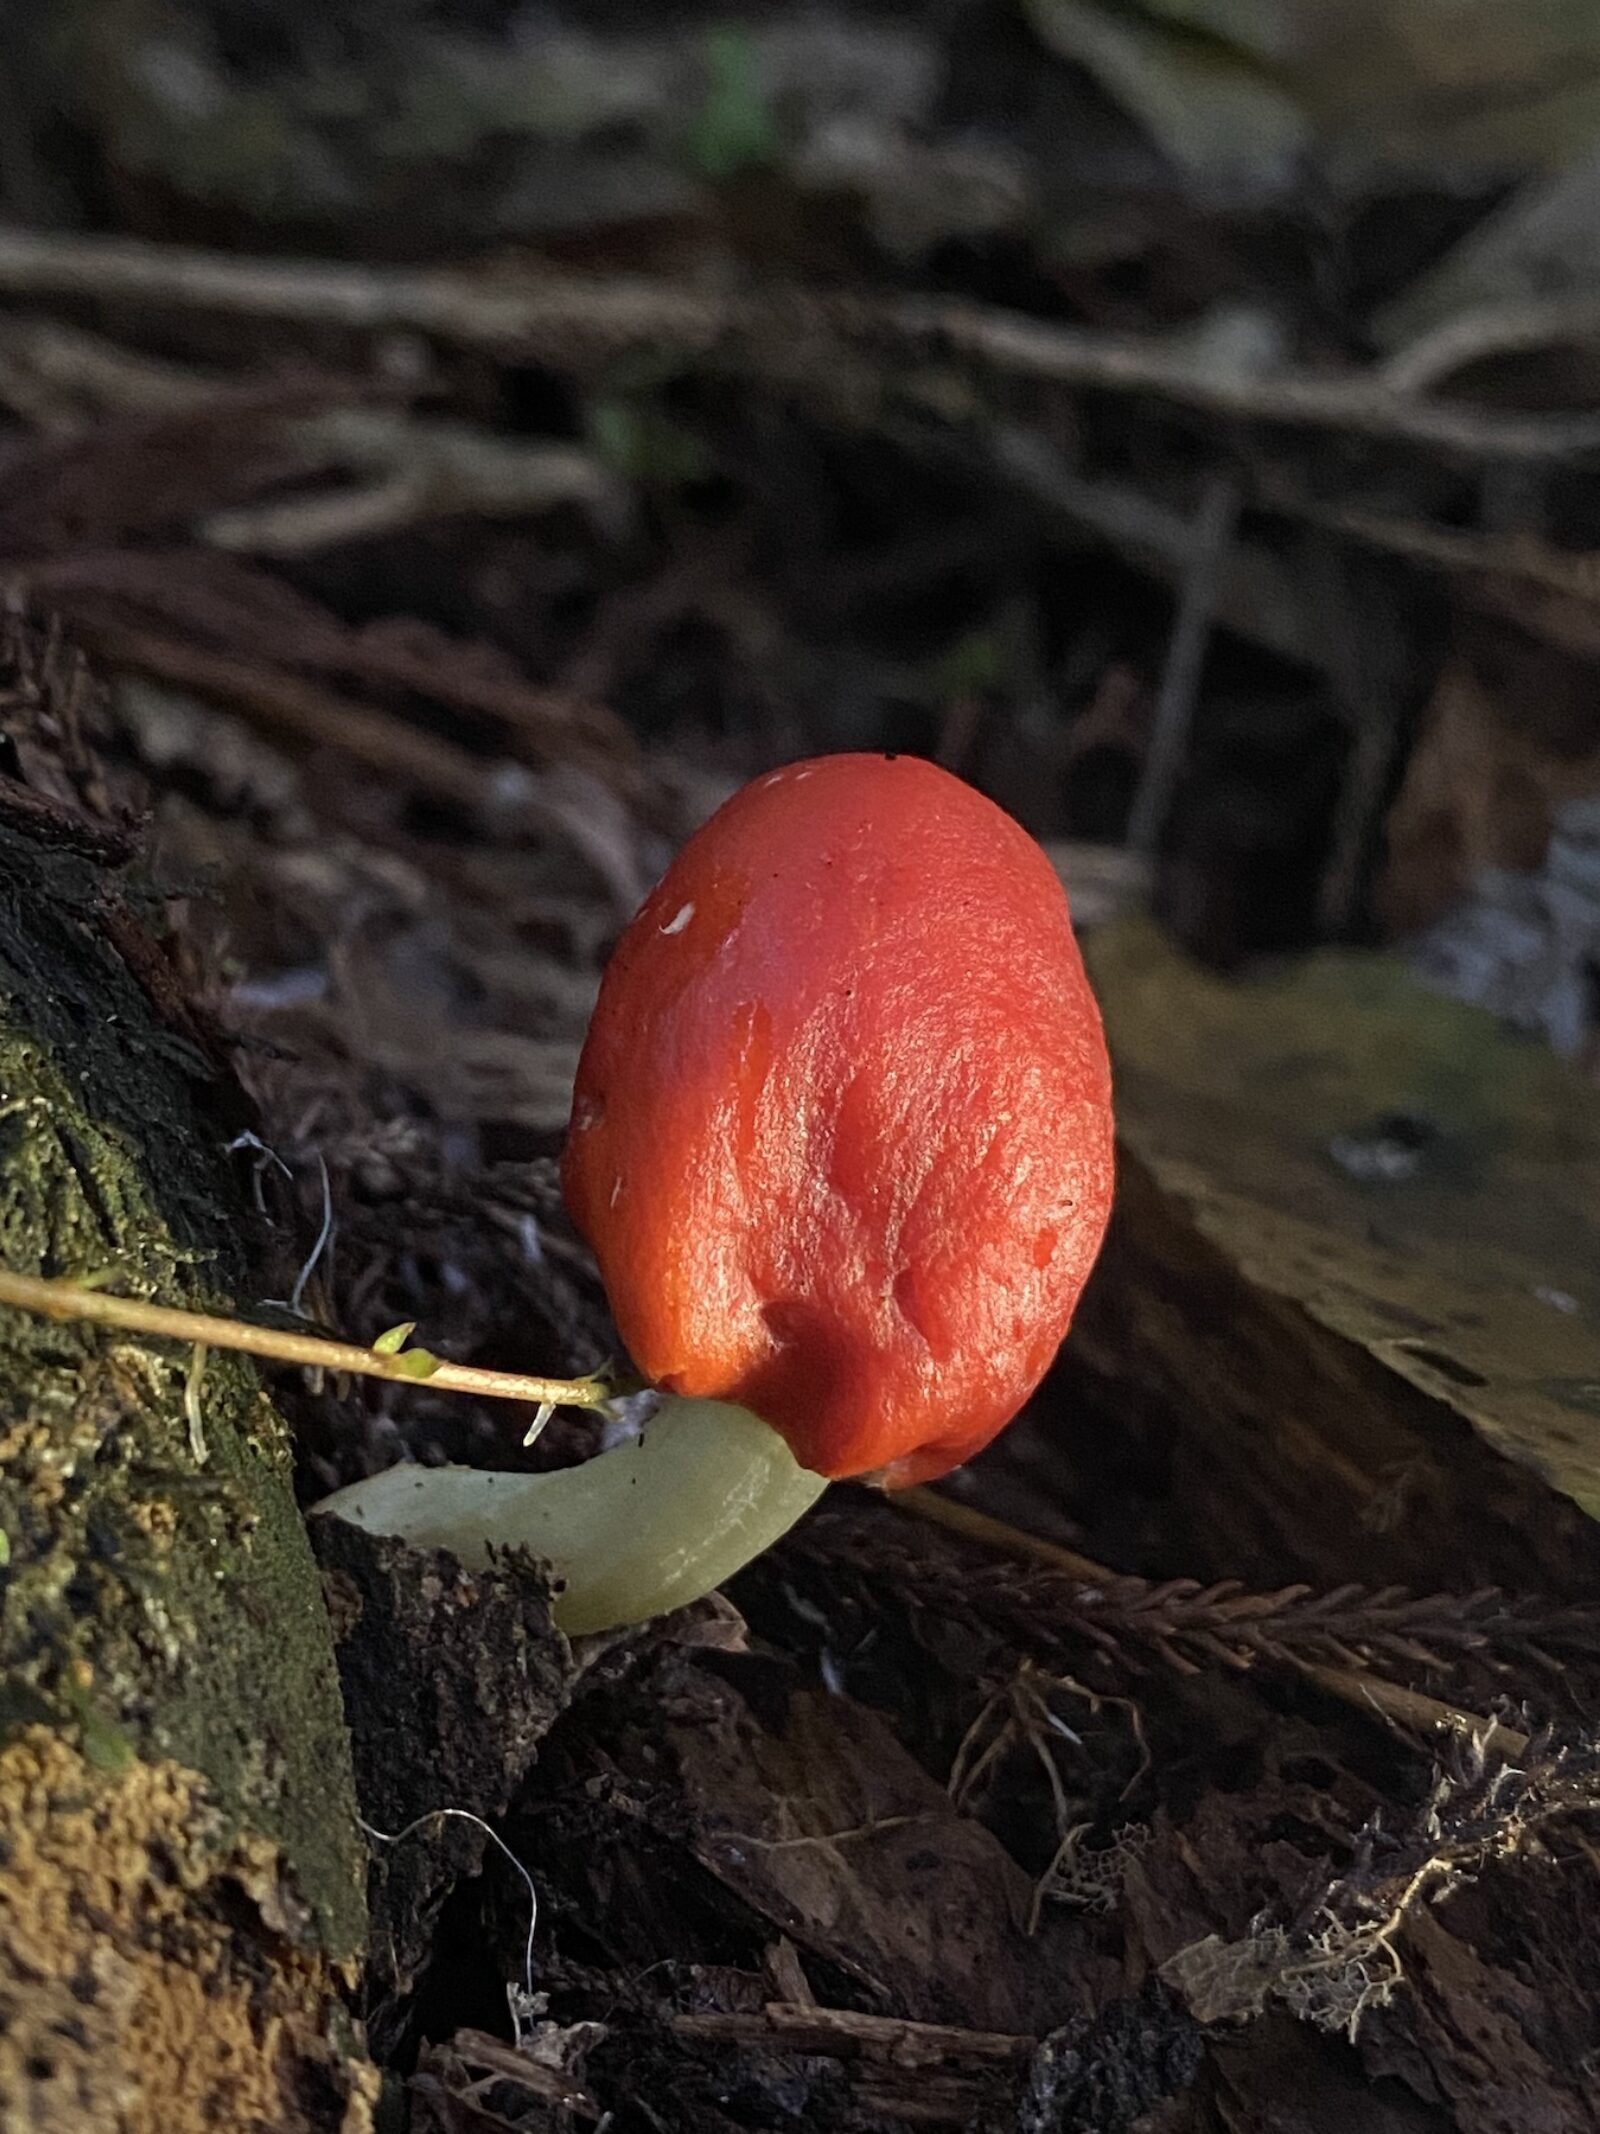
(1216, 1755)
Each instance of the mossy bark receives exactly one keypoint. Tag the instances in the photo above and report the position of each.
(177, 1811)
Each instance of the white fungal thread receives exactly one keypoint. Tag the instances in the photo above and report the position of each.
(191, 1403)
(616, 1191)
(263, 1156)
(679, 920)
(465, 1815)
(324, 1240)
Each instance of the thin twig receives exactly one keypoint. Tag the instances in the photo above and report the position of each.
(71, 1300)
(1055, 1600)
(1452, 549)
(1211, 541)
(413, 471)
(83, 375)
(1490, 330)
(202, 594)
(960, 1518)
(1358, 404)
(310, 716)
(194, 1413)
(500, 314)
(845, 2034)
(1260, 596)
(1411, 1711)
(1366, 664)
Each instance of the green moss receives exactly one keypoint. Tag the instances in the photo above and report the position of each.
(734, 129)
(153, 1601)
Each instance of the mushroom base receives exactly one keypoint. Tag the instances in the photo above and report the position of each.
(632, 1533)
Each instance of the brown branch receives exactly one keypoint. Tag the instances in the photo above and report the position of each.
(299, 712)
(1215, 525)
(57, 822)
(60, 374)
(579, 323)
(195, 594)
(1055, 1603)
(1410, 1711)
(1490, 330)
(843, 2034)
(148, 472)
(1357, 404)
(408, 471)
(959, 1518)
(1453, 550)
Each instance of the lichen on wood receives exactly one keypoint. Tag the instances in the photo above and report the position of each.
(148, 2020)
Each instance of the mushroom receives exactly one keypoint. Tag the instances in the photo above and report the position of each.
(841, 1141)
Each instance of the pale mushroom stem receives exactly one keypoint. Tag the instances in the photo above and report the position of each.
(649, 1526)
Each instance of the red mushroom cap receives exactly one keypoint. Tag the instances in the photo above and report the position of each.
(841, 1137)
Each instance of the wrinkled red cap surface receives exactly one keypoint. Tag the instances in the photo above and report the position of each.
(841, 1137)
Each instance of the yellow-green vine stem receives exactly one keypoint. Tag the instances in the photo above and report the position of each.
(73, 1300)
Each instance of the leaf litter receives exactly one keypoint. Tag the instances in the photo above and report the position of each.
(909, 1828)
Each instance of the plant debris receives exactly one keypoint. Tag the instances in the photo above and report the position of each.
(443, 459)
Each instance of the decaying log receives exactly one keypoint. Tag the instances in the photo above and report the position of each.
(1349, 1312)
(182, 1904)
